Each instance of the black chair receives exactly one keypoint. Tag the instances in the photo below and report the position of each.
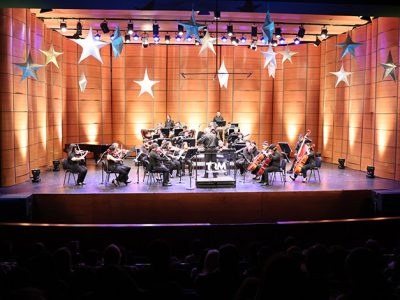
(105, 169)
(68, 171)
(281, 172)
(315, 170)
(149, 172)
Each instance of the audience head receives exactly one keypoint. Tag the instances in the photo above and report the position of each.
(112, 255)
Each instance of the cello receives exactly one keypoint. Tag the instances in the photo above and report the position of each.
(256, 161)
(303, 160)
(265, 164)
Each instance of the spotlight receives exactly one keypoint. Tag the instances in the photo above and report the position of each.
(180, 30)
(296, 41)
(156, 29)
(189, 38)
(130, 28)
(167, 39)
(136, 37)
(196, 42)
(145, 41)
(274, 43)
(178, 38)
(263, 40)
(79, 28)
(63, 26)
(56, 165)
(341, 162)
(253, 45)
(254, 31)
(317, 42)
(370, 172)
(97, 37)
(156, 39)
(224, 39)
(301, 32)
(243, 39)
(127, 38)
(229, 30)
(282, 40)
(104, 27)
(36, 175)
(278, 32)
(324, 33)
(217, 15)
(234, 41)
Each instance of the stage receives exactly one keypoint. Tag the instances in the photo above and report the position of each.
(341, 194)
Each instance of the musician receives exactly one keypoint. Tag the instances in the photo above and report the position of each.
(264, 150)
(240, 139)
(248, 153)
(185, 161)
(218, 118)
(209, 140)
(172, 164)
(74, 162)
(234, 135)
(116, 164)
(222, 145)
(273, 166)
(169, 123)
(156, 163)
(309, 163)
(297, 148)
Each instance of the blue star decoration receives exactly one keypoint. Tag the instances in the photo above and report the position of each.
(29, 68)
(192, 28)
(268, 28)
(117, 43)
(348, 46)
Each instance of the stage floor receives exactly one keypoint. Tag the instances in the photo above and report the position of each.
(332, 179)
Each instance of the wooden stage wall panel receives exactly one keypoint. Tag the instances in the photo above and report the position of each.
(200, 207)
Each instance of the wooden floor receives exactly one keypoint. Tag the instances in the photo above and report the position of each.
(340, 194)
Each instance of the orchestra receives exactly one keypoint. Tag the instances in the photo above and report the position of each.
(168, 152)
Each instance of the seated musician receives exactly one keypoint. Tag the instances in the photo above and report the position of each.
(116, 164)
(185, 161)
(247, 155)
(264, 150)
(273, 166)
(305, 163)
(240, 139)
(297, 148)
(218, 117)
(156, 163)
(178, 125)
(218, 130)
(169, 123)
(75, 162)
(234, 135)
(171, 163)
(222, 145)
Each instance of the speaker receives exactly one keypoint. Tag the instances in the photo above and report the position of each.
(387, 202)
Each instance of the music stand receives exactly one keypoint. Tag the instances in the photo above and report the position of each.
(233, 125)
(239, 146)
(189, 155)
(159, 141)
(285, 150)
(177, 131)
(221, 123)
(165, 131)
(155, 136)
(190, 142)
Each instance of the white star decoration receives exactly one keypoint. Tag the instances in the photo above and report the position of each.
(90, 47)
(287, 54)
(207, 42)
(271, 70)
(270, 56)
(390, 67)
(82, 82)
(51, 55)
(29, 68)
(146, 84)
(342, 76)
(223, 75)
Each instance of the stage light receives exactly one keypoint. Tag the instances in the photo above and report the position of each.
(145, 41)
(56, 165)
(104, 27)
(274, 43)
(130, 28)
(136, 37)
(178, 38)
(370, 172)
(156, 39)
(324, 33)
(196, 42)
(189, 38)
(167, 39)
(97, 37)
(156, 29)
(282, 40)
(253, 45)
(63, 26)
(296, 41)
(127, 38)
(254, 31)
(262, 39)
(278, 32)
(79, 28)
(229, 30)
(180, 30)
(317, 42)
(341, 162)
(234, 41)
(35, 175)
(243, 39)
(217, 15)
(224, 39)
(301, 32)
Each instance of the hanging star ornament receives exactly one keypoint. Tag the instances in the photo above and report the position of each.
(348, 46)
(270, 56)
(192, 28)
(29, 68)
(146, 84)
(390, 67)
(207, 42)
(287, 54)
(271, 70)
(82, 82)
(51, 55)
(268, 28)
(90, 47)
(117, 43)
(342, 76)
(223, 76)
